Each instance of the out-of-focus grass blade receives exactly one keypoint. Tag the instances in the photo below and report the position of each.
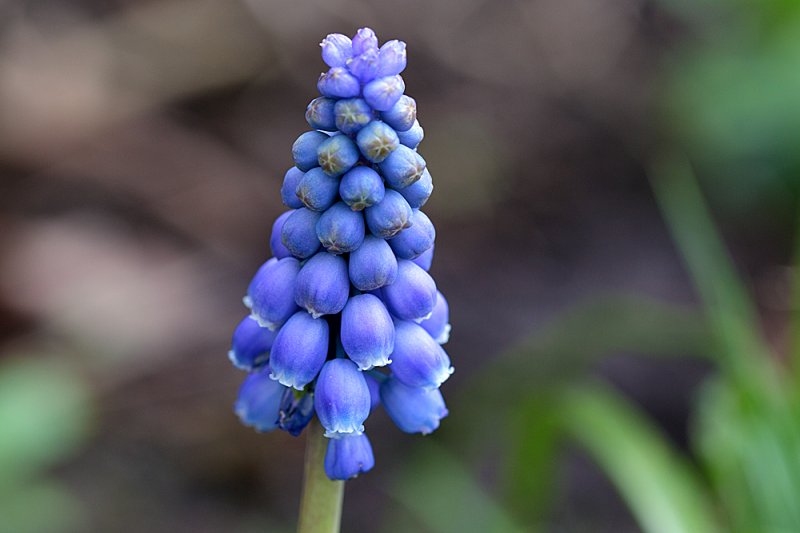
(728, 306)
(535, 434)
(658, 486)
(44, 413)
(751, 450)
(444, 497)
(561, 350)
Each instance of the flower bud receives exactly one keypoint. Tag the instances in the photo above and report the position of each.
(317, 190)
(352, 114)
(336, 49)
(337, 155)
(340, 229)
(320, 114)
(304, 149)
(348, 457)
(412, 137)
(414, 241)
(338, 83)
(250, 345)
(364, 66)
(392, 58)
(382, 93)
(372, 265)
(376, 141)
(413, 410)
(402, 167)
(322, 285)
(390, 216)
(289, 188)
(299, 350)
(270, 295)
(425, 260)
(412, 296)
(361, 187)
(402, 115)
(417, 193)
(341, 398)
(296, 410)
(299, 233)
(259, 400)
(276, 245)
(438, 325)
(364, 41)
(417, 360)
(367, 331)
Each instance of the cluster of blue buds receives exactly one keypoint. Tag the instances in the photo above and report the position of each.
(345, 316)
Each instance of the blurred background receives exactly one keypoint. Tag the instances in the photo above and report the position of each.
(142, 148)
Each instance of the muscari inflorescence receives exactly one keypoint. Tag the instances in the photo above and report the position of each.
(345, 316)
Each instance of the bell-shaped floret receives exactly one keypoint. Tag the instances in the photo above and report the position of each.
(361, 187)
(390, 216)
(337, 155)
(372, 265)
(250, 345)
(413, 410)
(323, 285)
(364, 41)
(402, 114)
(259, 401)
(320, 114)
(304, 149)
(418, 192)
(392, 58)
(414, 241)
(376, 141)
(352, 114)
(338, 83)
(417, 360)
(367, 333)
(340, 229)
(317, 190)
(270, 295)
(348, 457)
(382, 93)
(336, 49)
(299, 350)
(299, 233)
(412, 295)
(341, 398)
(402, 167)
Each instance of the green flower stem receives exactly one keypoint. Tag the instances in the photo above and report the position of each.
(321, 504)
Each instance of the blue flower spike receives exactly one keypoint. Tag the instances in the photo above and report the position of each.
(345, 317)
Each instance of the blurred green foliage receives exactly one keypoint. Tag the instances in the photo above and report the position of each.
(45, 417)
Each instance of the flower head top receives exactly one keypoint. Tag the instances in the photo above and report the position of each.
(345, 316)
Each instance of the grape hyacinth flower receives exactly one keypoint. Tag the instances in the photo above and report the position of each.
(345, 317)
